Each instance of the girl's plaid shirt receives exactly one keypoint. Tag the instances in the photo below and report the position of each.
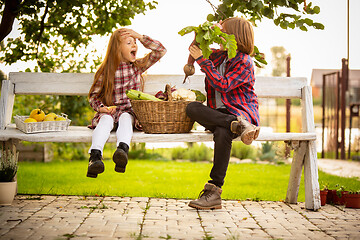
(127, 76)
(236, 86)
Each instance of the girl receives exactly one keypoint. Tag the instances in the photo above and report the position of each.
(232, 109)
(119, 72)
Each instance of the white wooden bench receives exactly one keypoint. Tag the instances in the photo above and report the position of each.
(303, 143)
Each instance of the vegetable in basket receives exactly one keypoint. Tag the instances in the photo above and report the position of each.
(183, 94)
(199, 96)
(138, 95)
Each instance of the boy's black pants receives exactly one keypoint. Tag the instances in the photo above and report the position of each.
(218, 122)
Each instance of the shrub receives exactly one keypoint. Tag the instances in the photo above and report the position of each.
(242, 151)
(267, 152)
(200, 153)
(178, 153)
(195, 152)
(272, 152)
(70, 151)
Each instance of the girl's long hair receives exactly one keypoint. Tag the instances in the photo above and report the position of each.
(108, 67)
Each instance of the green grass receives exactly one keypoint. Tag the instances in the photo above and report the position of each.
(164, 179)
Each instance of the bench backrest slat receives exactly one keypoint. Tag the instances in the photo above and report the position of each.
(79, 84)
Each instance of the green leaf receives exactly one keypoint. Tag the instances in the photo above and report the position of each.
(268, 12)
(318, 26)
(231, 46)
(308, 21)
(257, 64)
(206, 35)
(291, 25)
(205, 48)
(303, 28)
(316, 9)
(199, 37)
(277, 21)
(186, 30)
(210, 18)
(284, 24)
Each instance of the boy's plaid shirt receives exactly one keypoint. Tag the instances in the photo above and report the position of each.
(127, 76)
(236, 86)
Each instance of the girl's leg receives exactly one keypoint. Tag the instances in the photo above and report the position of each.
(124, 131)
(102, 132)
(123, 138)
(100, 135)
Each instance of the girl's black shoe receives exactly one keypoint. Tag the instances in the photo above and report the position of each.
(120, 157)
(96, 166)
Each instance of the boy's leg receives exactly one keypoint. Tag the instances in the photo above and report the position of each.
(208, 117)
(219, 123)
(124, 134)
(222, 149)
(211, 194)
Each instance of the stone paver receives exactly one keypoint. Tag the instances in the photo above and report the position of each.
(82, 218)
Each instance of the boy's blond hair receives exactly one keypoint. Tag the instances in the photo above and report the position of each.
(243, 32)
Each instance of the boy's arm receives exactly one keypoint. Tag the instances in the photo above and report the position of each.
(238, 74)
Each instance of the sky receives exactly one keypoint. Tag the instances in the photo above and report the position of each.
(314, 49)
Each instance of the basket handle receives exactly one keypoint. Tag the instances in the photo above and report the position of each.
(168, 92)
(64, 115)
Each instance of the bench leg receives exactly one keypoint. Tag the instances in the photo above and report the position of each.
(295, 174)
(311, 178)
(304, 155)
(9, 147)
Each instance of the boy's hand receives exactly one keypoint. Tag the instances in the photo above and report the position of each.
(219, 24)
(195, 51)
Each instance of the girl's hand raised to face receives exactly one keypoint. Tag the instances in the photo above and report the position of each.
(125, 32)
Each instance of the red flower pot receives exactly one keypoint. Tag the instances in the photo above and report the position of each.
(352, 200)
(330, 196)
(323, 195)
(339, 200)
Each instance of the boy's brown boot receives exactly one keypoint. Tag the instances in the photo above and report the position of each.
(209, 198)
(120, 157)
(247, 131)
(96, 166)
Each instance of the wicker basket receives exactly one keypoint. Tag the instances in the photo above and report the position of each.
(162, 116)
(37, 127)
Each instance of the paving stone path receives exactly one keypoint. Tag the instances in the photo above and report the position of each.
(77, 217)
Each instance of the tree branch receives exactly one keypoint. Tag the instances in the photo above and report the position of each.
(42, 26)
(10, 11)
(217, 9)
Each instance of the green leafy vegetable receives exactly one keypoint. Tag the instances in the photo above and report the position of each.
(207, 34)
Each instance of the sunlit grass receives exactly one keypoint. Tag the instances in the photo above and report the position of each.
(163, 179)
